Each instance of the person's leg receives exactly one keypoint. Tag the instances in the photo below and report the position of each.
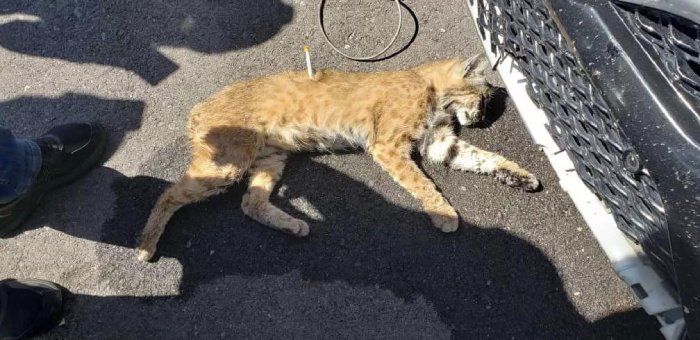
(30, 169)
(20, 161)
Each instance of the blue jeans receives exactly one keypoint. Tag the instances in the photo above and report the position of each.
(20, 162)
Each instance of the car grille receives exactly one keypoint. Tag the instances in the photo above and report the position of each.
(675, 40)
(580, 120)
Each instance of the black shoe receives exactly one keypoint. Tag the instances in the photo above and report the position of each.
(29, 307)
(68, 152)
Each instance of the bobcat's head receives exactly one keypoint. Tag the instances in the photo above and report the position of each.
(460, 86)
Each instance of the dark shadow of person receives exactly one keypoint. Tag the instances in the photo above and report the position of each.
(369, 269)
(29, 117)
(127, 33)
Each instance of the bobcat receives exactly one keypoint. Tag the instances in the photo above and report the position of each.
(251, 127)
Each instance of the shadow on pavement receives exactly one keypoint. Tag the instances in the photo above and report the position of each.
(127, 33)
(476, 283)
(369, 269)
(119, 118)
(494, 108)
(117, 115)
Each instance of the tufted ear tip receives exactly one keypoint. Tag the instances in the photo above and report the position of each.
(475, 66)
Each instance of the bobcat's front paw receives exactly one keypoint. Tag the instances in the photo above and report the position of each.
(445, 219)
(521, 179)
(531, 183)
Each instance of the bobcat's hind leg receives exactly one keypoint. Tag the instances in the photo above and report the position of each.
(218, 160)
(189, 189)
(264, 174)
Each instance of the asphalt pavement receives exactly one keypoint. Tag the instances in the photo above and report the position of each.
(523, 265)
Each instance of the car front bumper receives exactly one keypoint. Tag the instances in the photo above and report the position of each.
(620, 90)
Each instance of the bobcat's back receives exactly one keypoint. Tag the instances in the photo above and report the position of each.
(332, 111)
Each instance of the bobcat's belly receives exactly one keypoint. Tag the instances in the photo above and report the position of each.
(297, 138)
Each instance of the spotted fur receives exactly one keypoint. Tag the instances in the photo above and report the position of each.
(251, 127)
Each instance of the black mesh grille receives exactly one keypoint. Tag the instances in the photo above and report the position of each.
(580, 120)
(675, 40)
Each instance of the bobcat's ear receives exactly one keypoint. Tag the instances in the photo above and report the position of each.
(474, 67)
